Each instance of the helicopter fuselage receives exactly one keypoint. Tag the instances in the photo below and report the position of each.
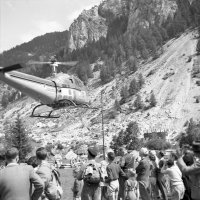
(50, 92)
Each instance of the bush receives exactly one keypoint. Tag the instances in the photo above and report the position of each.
(192, 134)
(158, 144)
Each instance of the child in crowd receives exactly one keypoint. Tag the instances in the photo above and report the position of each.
(131, 186)
(78, 185)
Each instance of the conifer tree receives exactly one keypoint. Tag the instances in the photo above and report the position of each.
(4, 100)
(133, 88)
(124, 94)
(198, 47)
(117, 105)
(17, 136)
(140, 81)
(138, 103)
(152, 100)
(132, 63)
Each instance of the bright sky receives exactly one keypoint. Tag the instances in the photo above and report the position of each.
(22, 20)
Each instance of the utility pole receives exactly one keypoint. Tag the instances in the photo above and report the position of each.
(102, 128)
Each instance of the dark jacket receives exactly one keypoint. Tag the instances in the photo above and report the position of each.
(16, 180)
(143, 171)
(194, 174)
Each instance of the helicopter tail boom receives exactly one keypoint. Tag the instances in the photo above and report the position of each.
(10, 68)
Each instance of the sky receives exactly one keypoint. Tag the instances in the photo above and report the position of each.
(22, 20)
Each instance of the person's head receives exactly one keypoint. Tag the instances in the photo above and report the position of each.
(188, 158)
(196, 148)
(173, 156)
(122, 151)
(92, 152)
(161, 154)
(131, 173)
(144, 152)
(111, 156)
(170, 163)
(152, 157)
(75, 172)
(41, 154)
(32, 161)
(12, 155)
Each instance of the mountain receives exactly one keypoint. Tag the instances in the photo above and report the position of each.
(94, 23)
(39, 48)
(169, 77)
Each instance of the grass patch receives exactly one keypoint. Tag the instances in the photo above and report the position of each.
(67, 181)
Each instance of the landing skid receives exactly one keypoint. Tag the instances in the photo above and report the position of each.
(49, 114)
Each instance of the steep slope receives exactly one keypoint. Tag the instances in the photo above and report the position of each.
(170, 80)
(45, 45)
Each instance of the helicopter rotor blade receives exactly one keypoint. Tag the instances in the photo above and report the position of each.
(37, 63)
(10, 68)
(70, 63)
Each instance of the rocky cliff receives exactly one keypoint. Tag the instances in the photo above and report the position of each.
(87, 27)
(93, 24)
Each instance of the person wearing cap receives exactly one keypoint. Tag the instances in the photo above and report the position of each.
(192, 171)
(90, 191)
(143, 171)
(114, 171)
(16, 180)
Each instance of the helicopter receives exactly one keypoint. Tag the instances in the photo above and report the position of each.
(59, 91)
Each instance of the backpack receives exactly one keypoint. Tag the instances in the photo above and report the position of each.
(92, 174)
(132, 191)
(53, 190)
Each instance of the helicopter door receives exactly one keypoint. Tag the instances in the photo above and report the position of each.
(70, 94)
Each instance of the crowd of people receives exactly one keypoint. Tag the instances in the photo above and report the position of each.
(32, 181)
(149, 175)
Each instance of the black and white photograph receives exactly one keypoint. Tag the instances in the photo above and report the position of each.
(99, 99)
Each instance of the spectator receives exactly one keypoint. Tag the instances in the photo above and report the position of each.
(153, 178)
(33, 162)
(127, 161)
(176, 182)
(16, 180)
(161, 180)
(44, 170)
(78, 185)
(143, 171)
(114, 171)
(131, 186)
(188, 158)
(192, 171)
(90, 191)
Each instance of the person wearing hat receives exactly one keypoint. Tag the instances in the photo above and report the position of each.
(90, 191)
(143, 171)
(114, 171)
(192, 171)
